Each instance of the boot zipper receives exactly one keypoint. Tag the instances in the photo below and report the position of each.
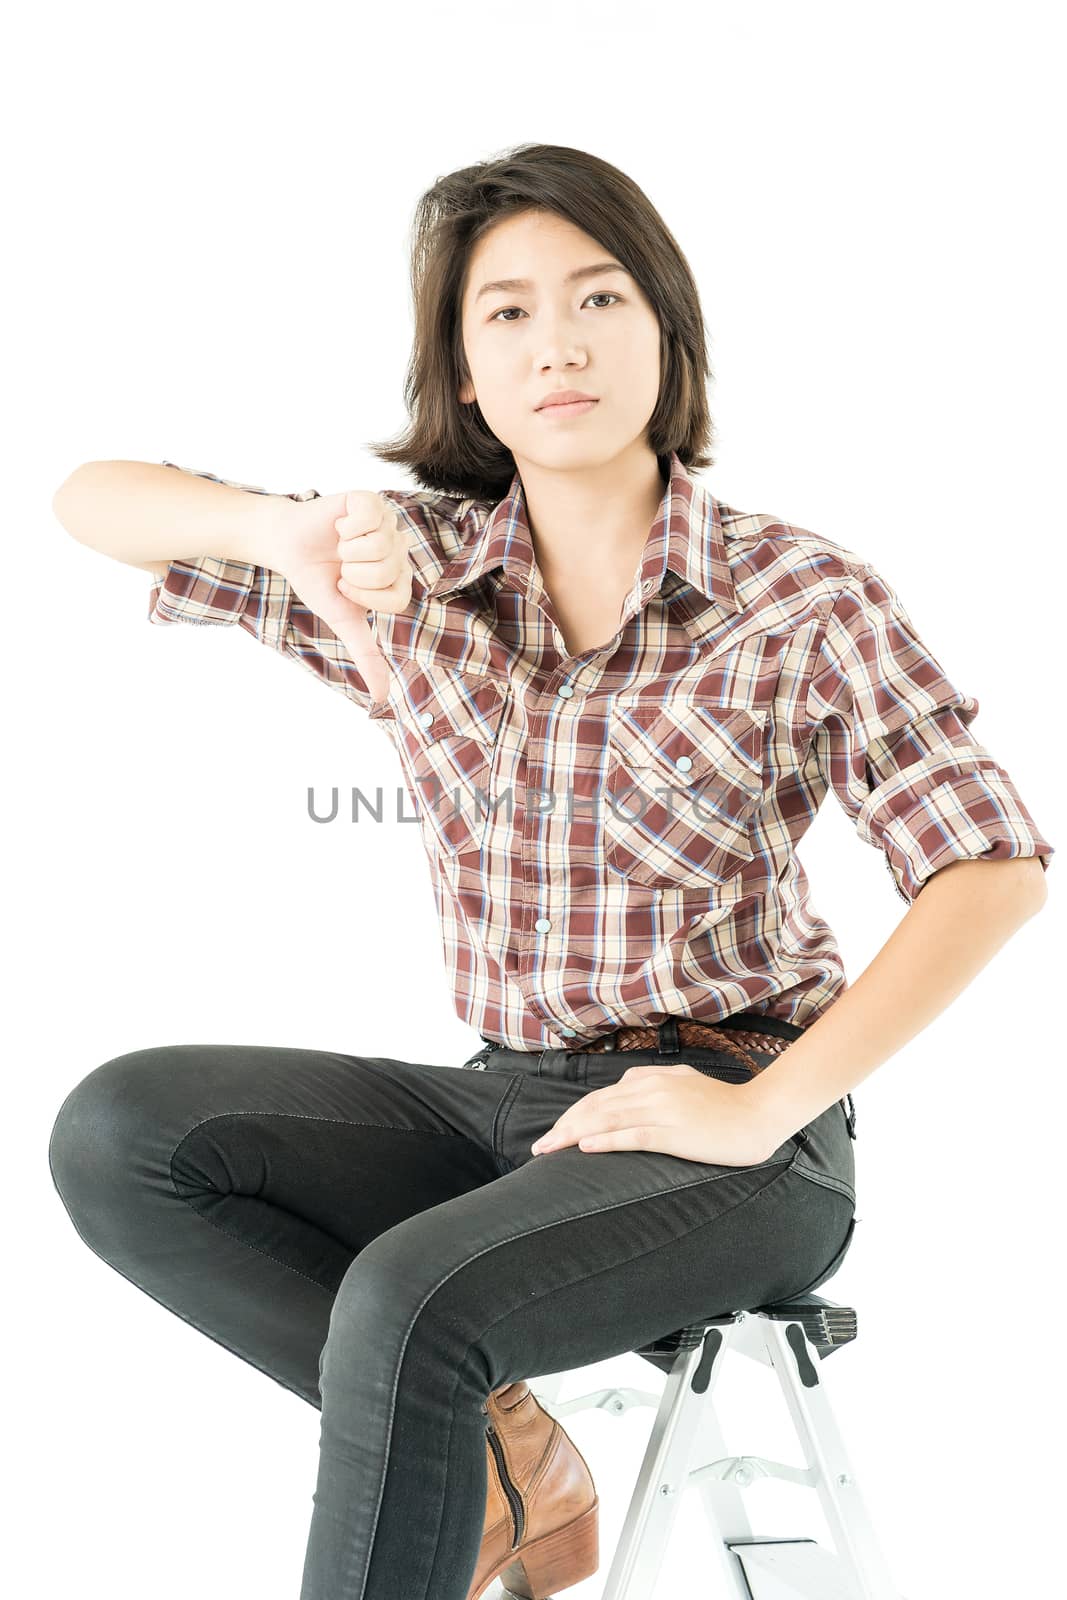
(514, 1498)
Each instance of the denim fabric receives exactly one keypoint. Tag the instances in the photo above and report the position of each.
(376, 1236)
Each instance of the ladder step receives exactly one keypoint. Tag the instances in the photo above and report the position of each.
(827, 1326)
(791, 1569)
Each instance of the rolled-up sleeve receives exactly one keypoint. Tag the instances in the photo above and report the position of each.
(891, 737)
(214, 590)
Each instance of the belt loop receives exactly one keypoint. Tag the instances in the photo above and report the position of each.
(850, 1117)
(667, 1037)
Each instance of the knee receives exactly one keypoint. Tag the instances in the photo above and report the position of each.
(378, 1299)
(404, 1304)
(95, 1130)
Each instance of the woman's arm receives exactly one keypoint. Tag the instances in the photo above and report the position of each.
(965, 913)
(147, 515)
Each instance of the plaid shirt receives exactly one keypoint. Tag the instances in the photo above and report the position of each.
(613, 836)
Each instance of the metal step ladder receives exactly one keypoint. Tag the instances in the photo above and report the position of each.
(793, 1337)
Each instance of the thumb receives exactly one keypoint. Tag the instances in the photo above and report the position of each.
(351, 624)
(346, 618)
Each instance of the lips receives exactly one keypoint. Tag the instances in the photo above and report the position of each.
(564, 397)
(573, 408)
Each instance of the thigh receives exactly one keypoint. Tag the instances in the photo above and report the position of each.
(245, 1134)
(236, 1184)
(572, 1257)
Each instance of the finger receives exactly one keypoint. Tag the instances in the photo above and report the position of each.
(376, 599)
(579, 1121)
(364, 547)
(555, 1139)
(652, 1113)
(569, 1126)
(375, 542)
(648, 1067)
(364, 511)
(635, 1138)
(370, 574)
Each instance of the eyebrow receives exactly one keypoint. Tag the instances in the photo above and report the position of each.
(509, 285)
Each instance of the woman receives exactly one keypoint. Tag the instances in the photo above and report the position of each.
(618, 702)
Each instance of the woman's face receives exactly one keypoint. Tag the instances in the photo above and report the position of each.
(598, 333)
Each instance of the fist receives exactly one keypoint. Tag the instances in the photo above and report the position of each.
(373, 551)
(345, 555)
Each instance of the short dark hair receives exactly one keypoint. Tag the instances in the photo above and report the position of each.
(448, 446)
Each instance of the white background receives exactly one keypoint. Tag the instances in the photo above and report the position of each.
(207, 262)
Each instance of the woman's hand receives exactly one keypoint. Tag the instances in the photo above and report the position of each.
(670, 1107)
(345, 554)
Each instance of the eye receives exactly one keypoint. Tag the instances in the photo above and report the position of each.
(601, 294)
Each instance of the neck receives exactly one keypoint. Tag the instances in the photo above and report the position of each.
(592, 521)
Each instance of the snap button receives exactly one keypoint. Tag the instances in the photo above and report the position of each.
(425, 717)
(683, 763)
(542, 924)
(568, 1033)
(565, 690)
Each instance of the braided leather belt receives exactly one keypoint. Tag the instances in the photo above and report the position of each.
(702, 1036)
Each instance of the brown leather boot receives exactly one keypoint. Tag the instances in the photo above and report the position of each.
(541, 1528)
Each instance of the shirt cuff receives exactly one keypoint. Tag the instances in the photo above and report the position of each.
(960, 815)
(215, 590)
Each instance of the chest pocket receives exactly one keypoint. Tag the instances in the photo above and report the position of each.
(446, 733)
(681, 787)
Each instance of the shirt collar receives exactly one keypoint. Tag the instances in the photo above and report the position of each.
(684, 551)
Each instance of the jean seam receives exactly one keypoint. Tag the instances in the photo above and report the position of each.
(308, 1116)
(595, 1211)
(236, 1237)
(300, 1116)
(828, 1182)
(229, 1234)
(503, 1111)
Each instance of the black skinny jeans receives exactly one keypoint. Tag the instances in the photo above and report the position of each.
(376, 1236)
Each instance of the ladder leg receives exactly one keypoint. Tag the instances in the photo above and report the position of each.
(721, 1501)
(797, 1365)
(664, 1474)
